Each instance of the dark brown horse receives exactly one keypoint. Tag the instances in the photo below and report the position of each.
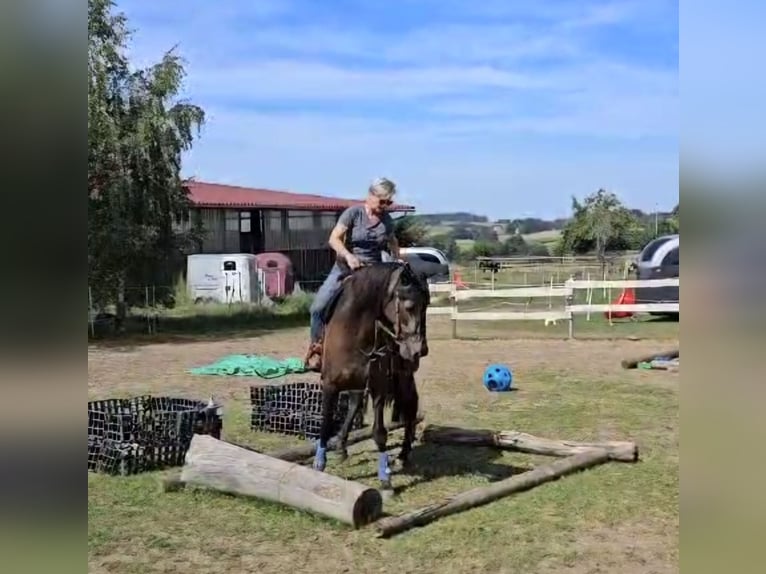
(372, 342)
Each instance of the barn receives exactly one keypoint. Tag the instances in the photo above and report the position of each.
(251, 220)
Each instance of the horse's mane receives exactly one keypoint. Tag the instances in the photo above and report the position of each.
(366, 287)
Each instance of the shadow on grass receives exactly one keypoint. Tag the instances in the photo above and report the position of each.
(200, 327)
(430, 462)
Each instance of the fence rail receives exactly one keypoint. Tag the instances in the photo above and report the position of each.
(563, 294)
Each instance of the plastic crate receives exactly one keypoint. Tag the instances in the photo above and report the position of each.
(127, 436)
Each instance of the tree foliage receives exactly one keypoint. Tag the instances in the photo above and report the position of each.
(410, 231)
(138, 130)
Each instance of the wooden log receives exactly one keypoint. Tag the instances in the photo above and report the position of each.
(304, 451)
(523, 442)
(632, 363)
(665, 365)
(389, 526)
(222, 466)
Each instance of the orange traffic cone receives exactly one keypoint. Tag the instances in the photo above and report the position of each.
(627, 297)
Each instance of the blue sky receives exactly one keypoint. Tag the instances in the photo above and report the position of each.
(502, 107)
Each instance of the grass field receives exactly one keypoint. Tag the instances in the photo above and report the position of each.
(614, 518)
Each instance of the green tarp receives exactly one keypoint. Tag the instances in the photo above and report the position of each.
(252, 366)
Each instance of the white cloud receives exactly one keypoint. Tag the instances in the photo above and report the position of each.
(454, 103)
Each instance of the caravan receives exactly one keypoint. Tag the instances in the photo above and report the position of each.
(225, 278)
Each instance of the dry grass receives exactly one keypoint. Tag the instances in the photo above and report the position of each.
(614, 518)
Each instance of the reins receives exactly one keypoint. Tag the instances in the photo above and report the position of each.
(394, 335)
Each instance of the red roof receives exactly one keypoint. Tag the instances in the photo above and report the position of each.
(229, 196)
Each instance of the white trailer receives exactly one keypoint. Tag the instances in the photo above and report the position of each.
(226, 278)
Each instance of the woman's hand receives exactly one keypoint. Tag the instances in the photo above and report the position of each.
(353, 261)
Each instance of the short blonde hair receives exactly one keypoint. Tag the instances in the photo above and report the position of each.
(383, 188)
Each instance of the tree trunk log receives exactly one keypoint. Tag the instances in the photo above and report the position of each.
(226, 467)
(523, 442)
(665, 365)
(304, 451)
(484, 494)
(632, 363)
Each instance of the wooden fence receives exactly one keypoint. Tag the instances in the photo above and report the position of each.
(561, 304)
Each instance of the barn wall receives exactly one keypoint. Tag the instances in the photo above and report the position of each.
(300, 235)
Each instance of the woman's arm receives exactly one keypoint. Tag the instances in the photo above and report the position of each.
(338, 234)
(393, 247)
(337, 240)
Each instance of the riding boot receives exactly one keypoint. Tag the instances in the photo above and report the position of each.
(313, 360)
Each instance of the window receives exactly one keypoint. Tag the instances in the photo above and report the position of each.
(328, 219)
(672, 257)
(231, 220)
(652, 247)
(244, 221)
(429, 257)
(300, 220)
(273, 220)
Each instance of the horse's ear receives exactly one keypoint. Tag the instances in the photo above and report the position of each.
(393, 281)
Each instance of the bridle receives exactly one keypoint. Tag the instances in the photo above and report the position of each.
(392, 334)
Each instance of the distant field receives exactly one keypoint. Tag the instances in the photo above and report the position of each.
(464, 244)
(544, 237)
(547, 238)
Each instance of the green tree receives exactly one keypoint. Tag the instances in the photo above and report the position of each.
(515, 246)
(599, 224)
(410, 231)
(137, 132)
(445, 243)
(483, 248)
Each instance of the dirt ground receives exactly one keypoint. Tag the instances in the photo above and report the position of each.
(448, 381)
(146, 368)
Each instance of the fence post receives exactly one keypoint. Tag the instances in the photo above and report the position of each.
(569, 300)
(454, 310)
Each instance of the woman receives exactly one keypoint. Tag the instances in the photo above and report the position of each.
(361, 235)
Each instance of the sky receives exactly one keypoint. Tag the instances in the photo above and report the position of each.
(503, 108)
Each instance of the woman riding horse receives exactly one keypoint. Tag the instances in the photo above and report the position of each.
(361, 235)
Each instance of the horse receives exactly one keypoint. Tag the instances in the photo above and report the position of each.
(372, 343)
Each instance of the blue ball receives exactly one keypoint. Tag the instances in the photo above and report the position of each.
(498, 378)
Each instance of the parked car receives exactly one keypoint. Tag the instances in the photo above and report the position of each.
(659, 259)
(431, 255)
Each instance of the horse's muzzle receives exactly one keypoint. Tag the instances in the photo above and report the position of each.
(411, 347)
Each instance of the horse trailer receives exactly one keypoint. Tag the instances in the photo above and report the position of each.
(224, 278)
(659, 259)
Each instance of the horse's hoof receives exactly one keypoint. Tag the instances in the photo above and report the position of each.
(342, 455)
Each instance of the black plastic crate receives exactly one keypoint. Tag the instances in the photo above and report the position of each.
(296, 409)
(127, 436)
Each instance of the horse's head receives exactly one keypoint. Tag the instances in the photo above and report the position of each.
(407, 298)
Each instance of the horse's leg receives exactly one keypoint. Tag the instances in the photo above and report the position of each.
(354, 405)
(396, 411)
(329, 399)
(408, 398)
(380, 436)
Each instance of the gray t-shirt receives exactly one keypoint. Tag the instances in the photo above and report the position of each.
(365, 239)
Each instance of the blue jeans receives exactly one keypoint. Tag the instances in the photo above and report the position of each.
(322, 298)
